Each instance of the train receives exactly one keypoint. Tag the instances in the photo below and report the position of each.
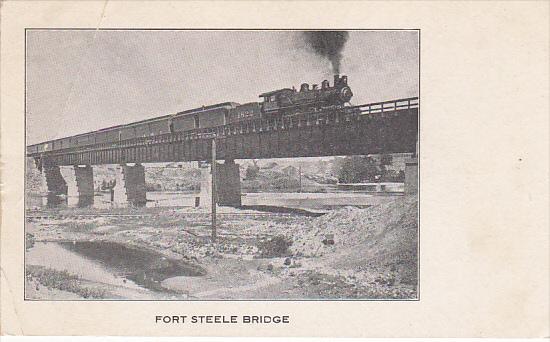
(274, 104)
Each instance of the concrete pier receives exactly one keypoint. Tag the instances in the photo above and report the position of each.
(130, 185)
(411, 176)
(54, 181)
(85, 184)
(80, 184)
(228, 184)
(68, 174)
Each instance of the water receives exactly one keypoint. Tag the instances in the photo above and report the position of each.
(103, 200)
(111, 263)
(310, 201)
(187, 199)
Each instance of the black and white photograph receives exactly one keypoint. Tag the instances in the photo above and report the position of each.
(209, 164)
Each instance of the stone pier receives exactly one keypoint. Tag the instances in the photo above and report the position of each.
(228, 184)
(80, 184)
(76, 183)
(411, 176)
(130, 185)
(68, 174)
(55, 183)
(84, 176)
(228, 187)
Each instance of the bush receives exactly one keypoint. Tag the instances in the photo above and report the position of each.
(276, 246)
(252, 172)
(29, 240)
(354, 169)
(62, 280)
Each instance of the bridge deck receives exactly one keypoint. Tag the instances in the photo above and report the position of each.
(382, 127)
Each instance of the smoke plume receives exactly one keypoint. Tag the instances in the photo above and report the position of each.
(327, 44)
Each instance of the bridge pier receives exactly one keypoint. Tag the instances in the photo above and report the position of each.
(80, 184)
(228, 187)
(130, 185)
(68, 174)
(84, 176)
(55, 182)
(411, 175)
(228, 184)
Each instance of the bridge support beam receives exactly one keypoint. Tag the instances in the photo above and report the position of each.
(130, 185)
(228, 184)
(54, 181)
(411, 176)
(228, 187)
(80, 184)
(85, 184)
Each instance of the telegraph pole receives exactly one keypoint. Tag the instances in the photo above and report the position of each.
(300, 176)
(214, 190)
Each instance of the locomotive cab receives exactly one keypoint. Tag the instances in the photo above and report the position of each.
(270, 102)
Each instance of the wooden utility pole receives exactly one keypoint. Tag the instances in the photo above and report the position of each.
(300, 176)
(214, 190)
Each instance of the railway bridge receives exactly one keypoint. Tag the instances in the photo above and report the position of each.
(374, 128)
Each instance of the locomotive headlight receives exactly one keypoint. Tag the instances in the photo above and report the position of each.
(345, 94)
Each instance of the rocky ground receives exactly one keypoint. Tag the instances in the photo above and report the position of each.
(167, 253)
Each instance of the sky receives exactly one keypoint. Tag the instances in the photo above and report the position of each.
(83, 80)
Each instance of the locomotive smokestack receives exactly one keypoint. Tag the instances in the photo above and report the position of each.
(327, 44)
(336, 80)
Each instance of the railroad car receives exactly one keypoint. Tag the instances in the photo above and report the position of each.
(203, 117)
(247, 111)
(282, 102)
(127, 132)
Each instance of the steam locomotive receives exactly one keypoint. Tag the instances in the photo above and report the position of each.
(278, 103)
(290, 101)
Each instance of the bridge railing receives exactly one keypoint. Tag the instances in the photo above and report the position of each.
(303, 119)
(388, 106)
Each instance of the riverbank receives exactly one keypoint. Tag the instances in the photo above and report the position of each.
(349, 253)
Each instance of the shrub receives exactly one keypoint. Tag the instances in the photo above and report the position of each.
(276, 246)
(252, 172)
(29, 240)
(62, 280)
